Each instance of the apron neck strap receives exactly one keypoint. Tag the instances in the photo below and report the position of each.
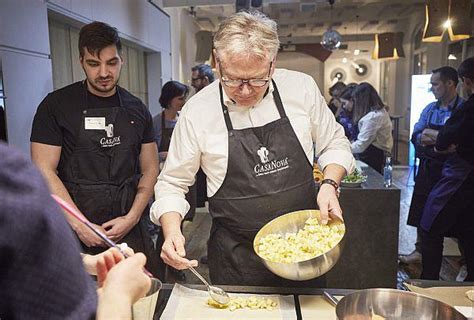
(86, 94)
(225, 110)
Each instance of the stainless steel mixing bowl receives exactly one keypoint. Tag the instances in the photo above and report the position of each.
(394, 305)
(303, 270)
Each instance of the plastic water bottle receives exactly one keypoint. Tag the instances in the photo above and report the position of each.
(387, 172)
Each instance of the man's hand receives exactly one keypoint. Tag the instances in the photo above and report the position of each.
(428, 137)
(328, 203)
(118, 228)
(173, 252)
(88, 237)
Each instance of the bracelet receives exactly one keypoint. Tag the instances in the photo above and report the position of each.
(334, 184)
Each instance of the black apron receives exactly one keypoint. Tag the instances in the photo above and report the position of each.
(268, 175)
(102, 173)
(429, 173)
(191, 196)
(374, 157)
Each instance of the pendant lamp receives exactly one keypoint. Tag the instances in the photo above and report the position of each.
(453, 15)
(388, 45)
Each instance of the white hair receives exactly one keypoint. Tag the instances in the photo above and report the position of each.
(247, 34)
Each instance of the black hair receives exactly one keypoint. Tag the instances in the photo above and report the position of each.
(96, 36)
(170, 90)
(337, 89)
(204, 70)
(346, 94)
(466, 68)
(366, 99)
(446, 74)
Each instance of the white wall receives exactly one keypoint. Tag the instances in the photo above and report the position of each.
(183, 44)
(24, 49)
(302, 62)
(26, 68)
(334, 62)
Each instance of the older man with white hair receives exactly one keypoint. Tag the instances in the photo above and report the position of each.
(253, 134)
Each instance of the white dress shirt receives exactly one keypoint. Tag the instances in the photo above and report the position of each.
(200, 137)
(374, 128)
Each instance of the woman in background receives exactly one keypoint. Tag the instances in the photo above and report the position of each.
(344, 113)
(172, 99)
(374, 139)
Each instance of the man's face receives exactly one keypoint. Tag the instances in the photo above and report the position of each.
(197, 81)
(245, 68)
(467, 86)
(439, 88)
(102, 72)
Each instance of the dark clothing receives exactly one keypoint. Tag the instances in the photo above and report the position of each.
(99, 164)
(449, 210)
(41, 272)
(58, 118)
(429, 171)
(374, 157)
(350, 130)
(459, 130)
(268, 175)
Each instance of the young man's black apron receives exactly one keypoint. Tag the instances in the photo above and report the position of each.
(268, 174)
(429, 173)
(164, 146)
(102, 173)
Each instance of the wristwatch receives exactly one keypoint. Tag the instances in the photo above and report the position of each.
(334, 184)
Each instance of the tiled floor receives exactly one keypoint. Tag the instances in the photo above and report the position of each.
(197, 232)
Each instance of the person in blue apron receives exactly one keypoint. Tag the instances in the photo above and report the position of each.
(450, 205)
(433, 117)
(252, 132)
(94, 142)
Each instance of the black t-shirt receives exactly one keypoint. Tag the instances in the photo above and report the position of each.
(58, 118)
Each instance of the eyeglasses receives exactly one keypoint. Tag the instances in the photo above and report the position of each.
(236, 83)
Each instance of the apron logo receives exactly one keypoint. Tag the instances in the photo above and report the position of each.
(263, 154)
(110, 141)
(267, 166)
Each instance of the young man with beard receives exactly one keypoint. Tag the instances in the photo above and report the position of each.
(94, 143)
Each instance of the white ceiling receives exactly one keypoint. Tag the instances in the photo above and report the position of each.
(304, 21)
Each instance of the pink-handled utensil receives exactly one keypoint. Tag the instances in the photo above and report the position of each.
(72, 211)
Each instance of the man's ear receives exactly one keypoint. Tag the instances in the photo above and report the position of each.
(206, 80)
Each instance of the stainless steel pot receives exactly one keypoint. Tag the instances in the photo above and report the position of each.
(303, 270)
(394, 305)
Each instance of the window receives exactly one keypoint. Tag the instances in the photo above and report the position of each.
(67, 69)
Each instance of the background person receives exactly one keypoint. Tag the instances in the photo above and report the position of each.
(344, 113)
(450, 205)
(94, 143)
(433, 117)
(374, 139)
(201, 76)
(335, 92)
(173, 96)
(236, 130)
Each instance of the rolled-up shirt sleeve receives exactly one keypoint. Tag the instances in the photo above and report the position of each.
(178, 173)
(332, 146)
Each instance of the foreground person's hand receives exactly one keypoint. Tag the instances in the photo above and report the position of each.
(122, 282)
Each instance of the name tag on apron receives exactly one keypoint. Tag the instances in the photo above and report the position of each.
(94, 123)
